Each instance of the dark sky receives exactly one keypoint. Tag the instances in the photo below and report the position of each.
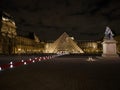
(83, 19)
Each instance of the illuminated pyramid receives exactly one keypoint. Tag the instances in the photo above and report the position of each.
(64, 44)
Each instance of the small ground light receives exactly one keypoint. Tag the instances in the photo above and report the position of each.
(30, 59)
(22, 60)
(39, 59)
(33, 61)
(11, 62)
(35, 58)
(11, 66)
(25, 63)
(44, 58)
(0, 69)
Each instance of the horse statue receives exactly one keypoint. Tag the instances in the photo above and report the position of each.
(108, 34)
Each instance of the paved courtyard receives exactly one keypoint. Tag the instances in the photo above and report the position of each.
(71, 72)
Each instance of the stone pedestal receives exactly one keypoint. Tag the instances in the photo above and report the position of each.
(109, 49)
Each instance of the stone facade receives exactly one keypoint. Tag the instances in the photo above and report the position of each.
(27, 46)
(109, 49)
(8, 34)
(11, 43)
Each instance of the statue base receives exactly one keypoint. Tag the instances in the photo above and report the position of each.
(109, 49)
(110, 56)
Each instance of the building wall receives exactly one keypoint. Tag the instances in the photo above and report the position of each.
(8, 34)
(27, 46)
(90, 46)
(10, 43)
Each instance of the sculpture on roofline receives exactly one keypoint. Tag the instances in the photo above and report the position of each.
(108, 34)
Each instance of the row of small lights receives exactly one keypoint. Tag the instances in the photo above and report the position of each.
(25, 62)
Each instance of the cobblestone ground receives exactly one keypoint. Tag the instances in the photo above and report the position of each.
(64, 73)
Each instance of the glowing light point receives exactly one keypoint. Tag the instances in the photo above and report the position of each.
(0, 69)
(30, 59)
(25, 63)
(11, 62)
(22, 60)
(39, 59)
(44, 58)
(11, 66)
(33, 61)
(35, 58)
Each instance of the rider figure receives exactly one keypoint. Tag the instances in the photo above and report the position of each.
(108, 33)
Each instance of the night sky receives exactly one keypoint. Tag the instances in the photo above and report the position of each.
(83, 19)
